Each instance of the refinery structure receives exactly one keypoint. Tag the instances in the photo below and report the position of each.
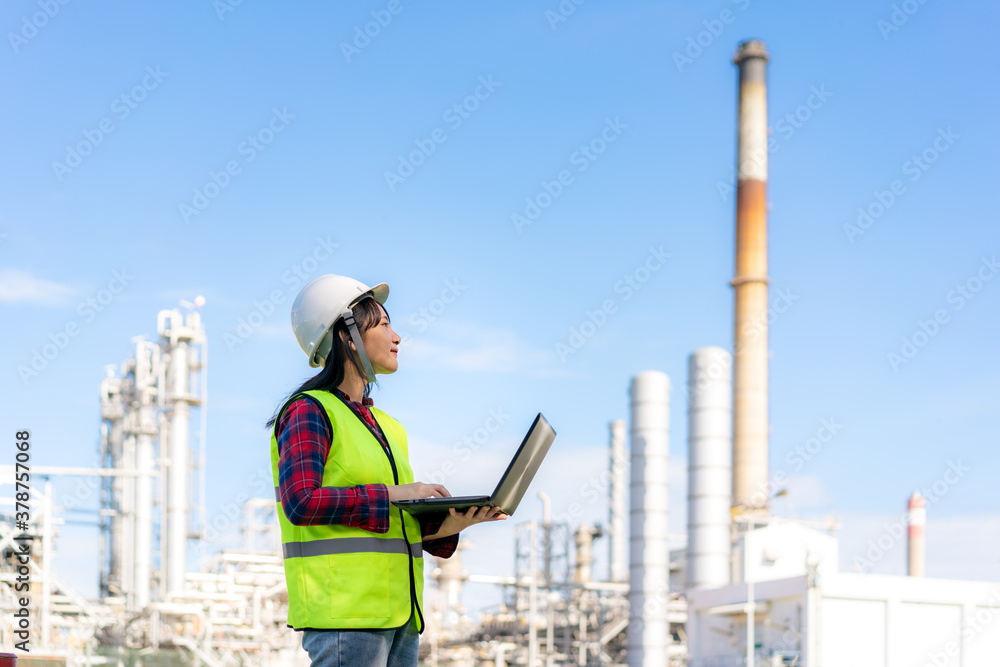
(748, 588)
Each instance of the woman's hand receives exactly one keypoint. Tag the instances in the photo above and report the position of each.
(457, 521)
(417, 490)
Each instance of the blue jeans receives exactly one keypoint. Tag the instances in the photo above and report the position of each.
(363, 648)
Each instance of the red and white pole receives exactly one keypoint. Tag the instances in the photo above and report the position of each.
(915, 546)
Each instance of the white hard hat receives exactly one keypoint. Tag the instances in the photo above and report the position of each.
(319, 306)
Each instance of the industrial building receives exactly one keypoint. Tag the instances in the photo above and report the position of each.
(749, 588)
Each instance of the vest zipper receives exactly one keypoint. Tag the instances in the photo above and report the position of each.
(402, 520)
(409, 552)
(402, 524)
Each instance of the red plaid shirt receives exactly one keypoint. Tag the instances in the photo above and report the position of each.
(303, 445)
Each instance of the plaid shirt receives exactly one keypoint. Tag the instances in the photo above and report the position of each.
(303, 445)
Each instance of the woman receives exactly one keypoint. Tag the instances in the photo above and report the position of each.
(353, 562)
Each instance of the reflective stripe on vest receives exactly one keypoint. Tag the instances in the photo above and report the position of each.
(344, 577)
(349, 545)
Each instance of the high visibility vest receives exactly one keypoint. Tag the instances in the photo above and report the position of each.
(346, 578)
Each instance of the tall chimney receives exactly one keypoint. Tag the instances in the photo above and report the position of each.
(649, 556)
(915, 545)
(750, 425)
(618, 504)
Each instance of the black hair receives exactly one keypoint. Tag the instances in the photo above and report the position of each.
(368, 314)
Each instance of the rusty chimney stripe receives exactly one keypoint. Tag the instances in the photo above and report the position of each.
(750, 357)
(751, 231)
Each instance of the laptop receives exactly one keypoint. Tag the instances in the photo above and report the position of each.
(507, 496)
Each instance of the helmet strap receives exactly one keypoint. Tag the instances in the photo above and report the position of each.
(352, 327)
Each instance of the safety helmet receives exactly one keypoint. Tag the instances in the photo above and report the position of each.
(320, 305)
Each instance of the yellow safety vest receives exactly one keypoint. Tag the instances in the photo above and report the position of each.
(346, 578)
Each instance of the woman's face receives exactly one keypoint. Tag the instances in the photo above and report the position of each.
(381, 345)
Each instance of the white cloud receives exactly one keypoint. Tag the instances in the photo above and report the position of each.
(18, 286)
(472, 348)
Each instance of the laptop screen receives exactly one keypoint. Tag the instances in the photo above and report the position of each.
(522, 468)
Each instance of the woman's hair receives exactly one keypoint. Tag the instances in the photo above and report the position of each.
(367, 313)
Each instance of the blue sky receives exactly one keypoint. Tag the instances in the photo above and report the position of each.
(202, 84)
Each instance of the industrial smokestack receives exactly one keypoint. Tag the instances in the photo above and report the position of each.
(147, 365)
(178, 335)
(750, 425)
(649, 583)
(177, 525)
(113, 544)
(915, 545)
(709, 470)
(618, 504)
(450, 578)
(584, 541)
